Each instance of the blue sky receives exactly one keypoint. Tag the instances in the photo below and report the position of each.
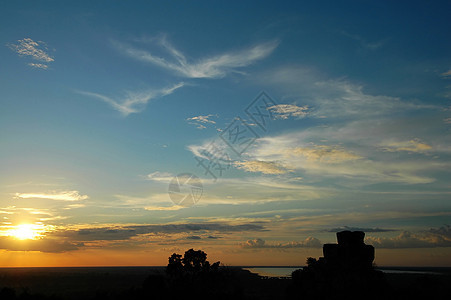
(104, 102)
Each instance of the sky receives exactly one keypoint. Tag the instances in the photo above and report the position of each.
(252, 130)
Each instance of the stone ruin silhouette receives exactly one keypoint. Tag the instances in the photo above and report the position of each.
(351, 252)
(345, 270)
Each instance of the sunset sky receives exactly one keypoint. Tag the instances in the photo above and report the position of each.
(300, 119)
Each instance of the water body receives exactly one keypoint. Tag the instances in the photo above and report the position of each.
(285, 272)
(279, 272)
(416, 270)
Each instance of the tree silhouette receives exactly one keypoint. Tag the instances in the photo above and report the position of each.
(193, 262)
(311, 261)
(175, 264)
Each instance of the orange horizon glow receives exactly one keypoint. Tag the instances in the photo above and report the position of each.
(25, 231)
(158, 258)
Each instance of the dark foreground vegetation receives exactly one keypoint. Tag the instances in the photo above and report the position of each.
(139, 283)
(344, 273)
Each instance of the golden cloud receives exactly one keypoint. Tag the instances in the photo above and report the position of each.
(265, 167)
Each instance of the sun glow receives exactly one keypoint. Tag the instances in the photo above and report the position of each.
(26, 231)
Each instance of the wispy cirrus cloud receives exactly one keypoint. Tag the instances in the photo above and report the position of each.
(164, 208)
(160, 176)
(54, 195)
(34, 50)
(414, 145)
(335, 98)
(209, 149)
(210, 67)
(323, 154)
(363, 42)
(295, 151)
(289, 148)
(133, 102)
(353, 152)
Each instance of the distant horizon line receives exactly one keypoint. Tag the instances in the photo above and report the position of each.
(232, 266)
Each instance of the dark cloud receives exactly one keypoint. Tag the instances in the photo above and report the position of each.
(309, 242)
(444, 231)
(126, 232)
(337, 229)
(74, 239)
(42, 245)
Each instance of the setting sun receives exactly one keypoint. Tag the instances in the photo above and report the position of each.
(26, 232)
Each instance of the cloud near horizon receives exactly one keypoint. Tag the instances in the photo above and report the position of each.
(344, 228)
(309, 242)
(433, 238)
(47, 245)
(71, 239)
(54, 195)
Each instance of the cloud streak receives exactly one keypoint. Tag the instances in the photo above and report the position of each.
(71, 239)
(211, 67)
(364, 229)
(54, 195)
(41, 245)
(133, 102)
(265, 167)
(160, 176)
(309, 242)
(322, 154)
(415, 145)
(124, 232)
